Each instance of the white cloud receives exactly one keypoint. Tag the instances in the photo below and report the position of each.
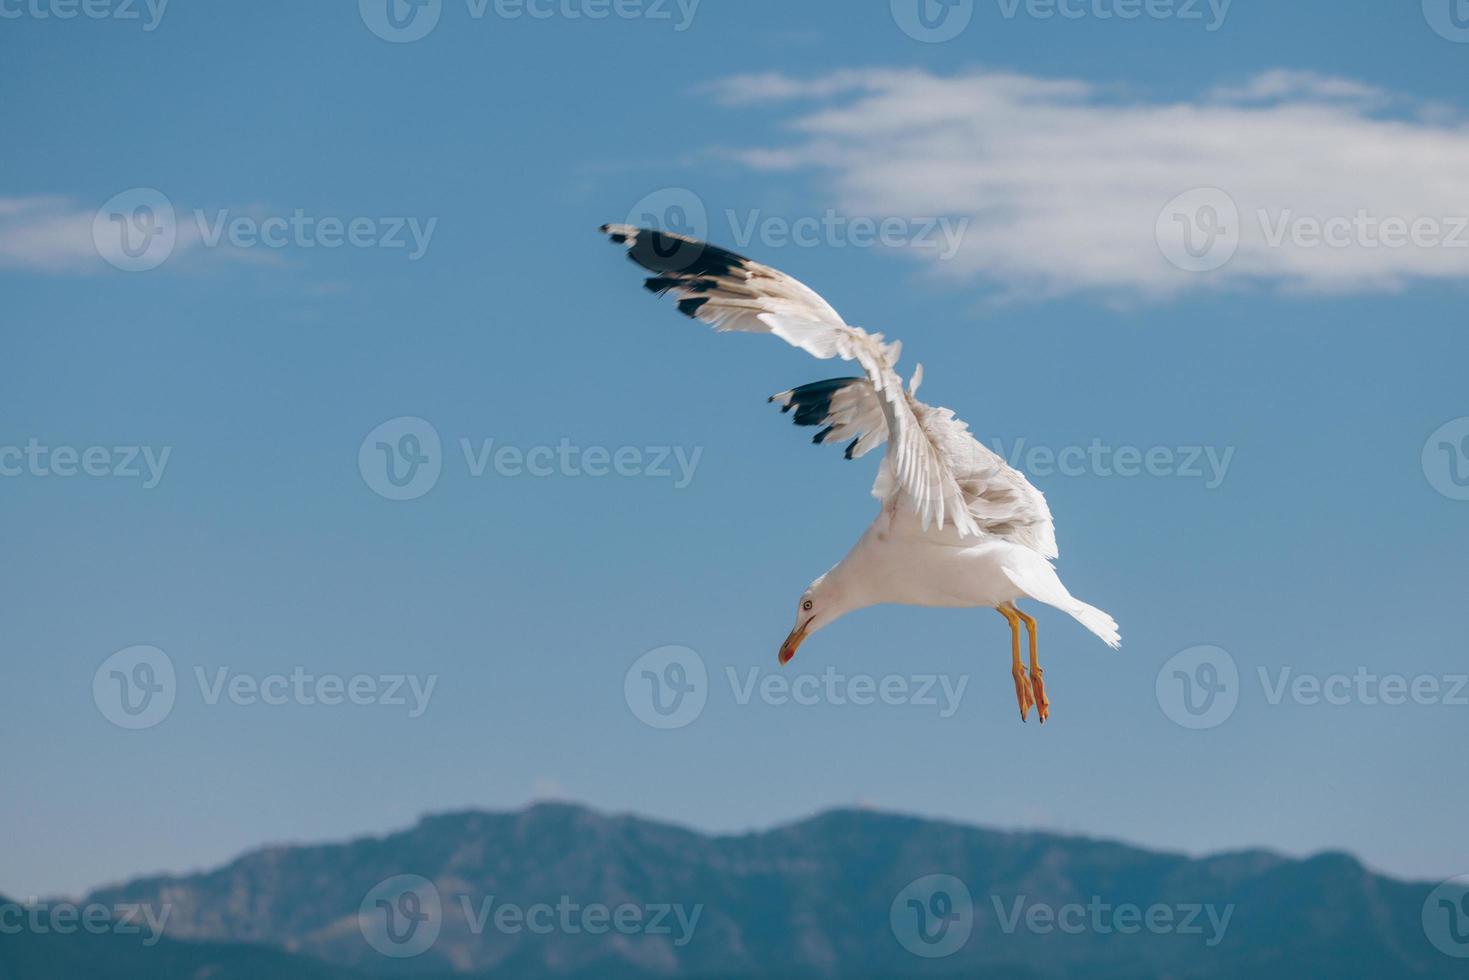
(1065, 181)
(52, 234)
(1283, 84)
(46, 234)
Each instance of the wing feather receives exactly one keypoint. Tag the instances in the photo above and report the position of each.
(731, 292)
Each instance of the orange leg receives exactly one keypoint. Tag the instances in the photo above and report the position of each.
(1037, 676)
(1023, 691)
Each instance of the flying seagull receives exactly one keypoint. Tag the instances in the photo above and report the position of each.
(957, 525)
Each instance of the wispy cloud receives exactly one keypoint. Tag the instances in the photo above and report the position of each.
(1339, 186)
(55, 234)
(1283, 84)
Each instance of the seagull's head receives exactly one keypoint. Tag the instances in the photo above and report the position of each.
(820, 604)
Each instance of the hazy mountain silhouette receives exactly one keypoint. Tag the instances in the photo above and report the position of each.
(821, 898)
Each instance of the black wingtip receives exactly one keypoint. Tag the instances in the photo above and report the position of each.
(691, 306)
(851, 446)
(820, 437)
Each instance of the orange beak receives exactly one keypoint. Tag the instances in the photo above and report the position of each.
(788, 648)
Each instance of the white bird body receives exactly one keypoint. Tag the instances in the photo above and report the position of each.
(958, 526)
(898, 561)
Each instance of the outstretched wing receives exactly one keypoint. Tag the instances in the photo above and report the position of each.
(723, 289)
(731, 292)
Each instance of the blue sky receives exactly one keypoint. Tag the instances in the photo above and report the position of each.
(1331, 545)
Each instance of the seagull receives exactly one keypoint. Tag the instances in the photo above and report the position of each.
(957, 526)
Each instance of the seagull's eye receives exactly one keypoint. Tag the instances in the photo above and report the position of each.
(807, 605)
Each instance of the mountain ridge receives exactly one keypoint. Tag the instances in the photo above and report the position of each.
(614, 815)
(829, 895)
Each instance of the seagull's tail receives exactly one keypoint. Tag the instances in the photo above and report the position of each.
(1039, 580)
(1098, 622)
